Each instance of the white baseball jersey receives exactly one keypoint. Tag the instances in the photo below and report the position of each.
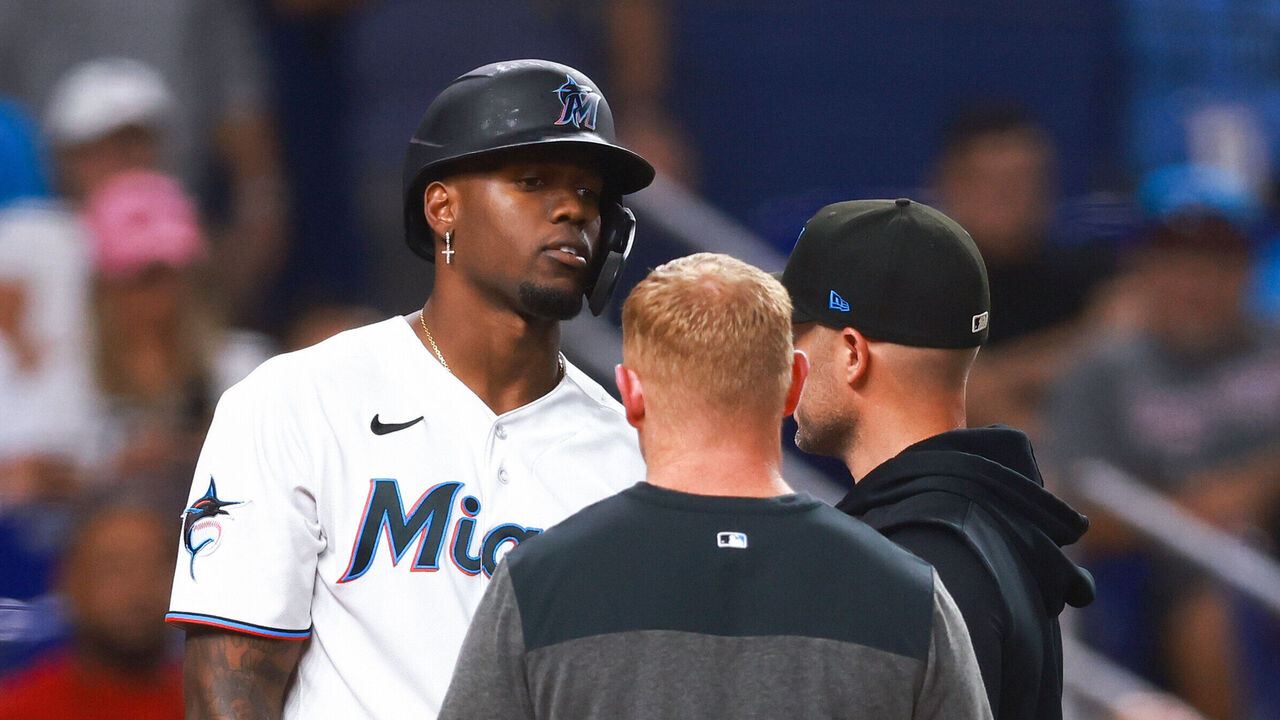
(357, 495)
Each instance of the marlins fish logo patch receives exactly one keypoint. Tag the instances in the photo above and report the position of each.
(201, 530)
(579, 104)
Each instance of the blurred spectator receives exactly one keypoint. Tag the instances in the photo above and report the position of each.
(115, 581)
(44, 386)
(106, 116)
(1190, 404)
(1169, 190)
(162, 360)
(1203, 93)
(996, 178)
(222, 141)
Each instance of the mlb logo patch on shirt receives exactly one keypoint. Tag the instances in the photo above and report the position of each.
(732, 540)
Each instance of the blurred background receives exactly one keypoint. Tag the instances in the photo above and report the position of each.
(190, 186)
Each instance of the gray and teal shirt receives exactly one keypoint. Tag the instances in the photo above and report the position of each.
(660, 604)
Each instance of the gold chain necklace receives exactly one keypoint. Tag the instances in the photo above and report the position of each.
(422, 319)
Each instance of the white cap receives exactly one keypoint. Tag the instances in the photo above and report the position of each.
(100, 96)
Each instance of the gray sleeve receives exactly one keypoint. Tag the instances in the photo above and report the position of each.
(952, 686)
(489, 678)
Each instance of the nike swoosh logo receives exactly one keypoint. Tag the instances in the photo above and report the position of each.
(381, 428)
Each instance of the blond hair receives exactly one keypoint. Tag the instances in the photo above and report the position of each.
(712, 331)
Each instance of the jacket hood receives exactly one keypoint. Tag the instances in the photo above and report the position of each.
(995, 468)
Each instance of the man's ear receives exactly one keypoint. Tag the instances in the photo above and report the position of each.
(440, 206)
(855, 355)
(799, 373)
(632, 392)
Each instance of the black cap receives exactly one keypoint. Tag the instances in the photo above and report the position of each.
(895, 270)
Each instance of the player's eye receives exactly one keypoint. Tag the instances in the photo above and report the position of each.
(589, 194)
(530, 182)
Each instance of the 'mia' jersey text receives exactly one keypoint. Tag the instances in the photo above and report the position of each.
(427, 523)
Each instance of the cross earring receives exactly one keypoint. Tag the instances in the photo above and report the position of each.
(447, 252)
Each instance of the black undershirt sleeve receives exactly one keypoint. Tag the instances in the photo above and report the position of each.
(974, 590)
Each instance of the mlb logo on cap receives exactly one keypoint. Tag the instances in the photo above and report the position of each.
(732, 540)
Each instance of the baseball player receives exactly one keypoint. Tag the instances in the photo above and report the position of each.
(352, 499)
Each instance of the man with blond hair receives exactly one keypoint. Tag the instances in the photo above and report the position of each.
(711, 590)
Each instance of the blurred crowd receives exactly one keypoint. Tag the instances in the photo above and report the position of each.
(188, 187)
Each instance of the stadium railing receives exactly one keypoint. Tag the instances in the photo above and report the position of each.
(1148, 511)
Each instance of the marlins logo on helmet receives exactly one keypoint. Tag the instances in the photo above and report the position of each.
(198, 519)
(579, 104)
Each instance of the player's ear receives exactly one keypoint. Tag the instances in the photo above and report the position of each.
(440, 206)
(632, 393)
(799, 373)
(855, 356)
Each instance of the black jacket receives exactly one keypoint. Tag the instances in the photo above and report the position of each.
(972, 503)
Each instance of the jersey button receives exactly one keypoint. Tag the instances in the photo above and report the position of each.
(501, 432)
(503, 477)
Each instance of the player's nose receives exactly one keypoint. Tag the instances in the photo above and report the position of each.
(569, 204)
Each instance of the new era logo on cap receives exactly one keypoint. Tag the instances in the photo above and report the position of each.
(980, 321)
(835, 302)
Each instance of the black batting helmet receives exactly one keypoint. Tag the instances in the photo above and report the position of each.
(507, 105)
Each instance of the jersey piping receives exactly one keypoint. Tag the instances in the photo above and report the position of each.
(229, 624)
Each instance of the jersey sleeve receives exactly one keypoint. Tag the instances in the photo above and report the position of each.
(489, 679)
(952, 686)
(250, 534)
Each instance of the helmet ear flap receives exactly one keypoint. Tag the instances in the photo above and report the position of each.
(617, 234)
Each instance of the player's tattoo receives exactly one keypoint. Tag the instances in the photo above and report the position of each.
(233, 676)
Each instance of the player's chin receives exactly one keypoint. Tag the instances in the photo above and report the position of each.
(809, 440)
(551, 301)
